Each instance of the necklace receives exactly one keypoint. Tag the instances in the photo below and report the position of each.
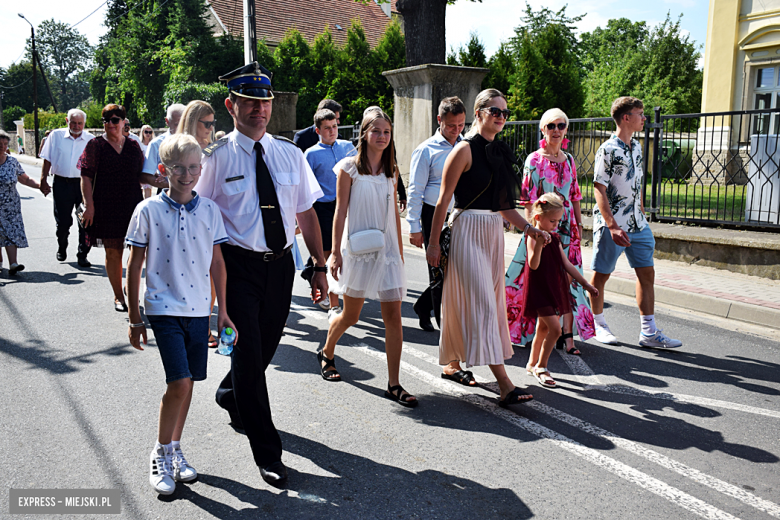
(548, 154)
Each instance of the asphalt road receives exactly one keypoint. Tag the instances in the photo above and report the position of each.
(630, 433)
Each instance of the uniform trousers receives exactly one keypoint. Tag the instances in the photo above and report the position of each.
(429, 300)
(258, 301)
(67, 196)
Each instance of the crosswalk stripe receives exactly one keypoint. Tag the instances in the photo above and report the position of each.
(620, 469)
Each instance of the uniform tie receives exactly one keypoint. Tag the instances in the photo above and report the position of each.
(275, 237)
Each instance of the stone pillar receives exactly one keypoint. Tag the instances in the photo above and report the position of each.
(418, 92)
(283, 115)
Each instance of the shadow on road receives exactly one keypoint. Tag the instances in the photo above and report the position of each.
(361, 488)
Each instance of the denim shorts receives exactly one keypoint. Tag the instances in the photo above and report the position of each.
(183, 346)
(606, 252)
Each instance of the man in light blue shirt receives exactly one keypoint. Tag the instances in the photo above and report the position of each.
(425, 175)
(322, 157)
(172, 117)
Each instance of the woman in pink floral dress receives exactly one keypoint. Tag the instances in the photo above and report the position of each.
(550, 169)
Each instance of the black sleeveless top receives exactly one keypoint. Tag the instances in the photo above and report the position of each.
(491, 168)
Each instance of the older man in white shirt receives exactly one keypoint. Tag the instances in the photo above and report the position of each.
(172, 117)
(60, 154)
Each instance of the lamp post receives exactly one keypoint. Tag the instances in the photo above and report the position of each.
(35, 83)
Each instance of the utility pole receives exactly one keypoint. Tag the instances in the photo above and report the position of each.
(45, 81)
(2, 124)
(35, 86)
(250, 37)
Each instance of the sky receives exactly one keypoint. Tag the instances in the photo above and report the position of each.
(493, 20)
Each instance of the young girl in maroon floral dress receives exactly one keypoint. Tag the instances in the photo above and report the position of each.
(546, 297)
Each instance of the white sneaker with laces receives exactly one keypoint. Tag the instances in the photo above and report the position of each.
(658, 340)
(325, 304)
(160, 473)
(182, 472)
(332, 313)
(604, 335)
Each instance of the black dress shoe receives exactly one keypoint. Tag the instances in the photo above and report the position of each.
(275, 474)
(425, 320)
(83, 262)
(62, 255)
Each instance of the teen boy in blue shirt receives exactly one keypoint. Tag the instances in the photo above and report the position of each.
(322, 157)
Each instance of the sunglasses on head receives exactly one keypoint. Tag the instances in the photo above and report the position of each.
(495, 112)
(113, 120)
(209, 124)
(561, 126)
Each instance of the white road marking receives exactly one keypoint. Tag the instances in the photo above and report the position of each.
(702, 478)
(620, 469)
(308, 312)
(587, 377)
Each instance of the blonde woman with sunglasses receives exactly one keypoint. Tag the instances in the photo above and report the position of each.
(198, 121)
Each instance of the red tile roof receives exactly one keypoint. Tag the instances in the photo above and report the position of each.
(310, 17)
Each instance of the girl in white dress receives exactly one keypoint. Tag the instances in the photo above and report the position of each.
(366, 198)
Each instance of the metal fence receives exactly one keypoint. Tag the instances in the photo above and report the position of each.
(718, 168)
(708, 169)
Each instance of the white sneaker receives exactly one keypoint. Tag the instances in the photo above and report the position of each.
(332, 313)
(182, 472)
(604, 335)
(160, 473)
(658, 340)
(324, 304)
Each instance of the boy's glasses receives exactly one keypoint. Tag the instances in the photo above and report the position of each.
(180, 170)
(209, 124)
(561, 126)
(113, 120)
(497, 112)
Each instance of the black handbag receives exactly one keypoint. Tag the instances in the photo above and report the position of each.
(439, 273)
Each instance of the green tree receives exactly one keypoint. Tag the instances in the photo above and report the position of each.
(151, 46)
(17, 86)
(501, 67)
(473, 55)
(67, 57)
(547, 71)
(626, 58)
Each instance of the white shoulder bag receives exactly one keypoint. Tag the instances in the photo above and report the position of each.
(368, 240)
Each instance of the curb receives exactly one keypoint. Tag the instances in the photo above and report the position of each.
(701, 303)
(26, 159)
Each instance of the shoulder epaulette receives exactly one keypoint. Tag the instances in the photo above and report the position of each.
(283, 138)
(213, 146)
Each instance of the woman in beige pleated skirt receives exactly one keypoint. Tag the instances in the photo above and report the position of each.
(479, 174)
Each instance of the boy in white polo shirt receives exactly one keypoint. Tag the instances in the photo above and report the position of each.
(179, 233)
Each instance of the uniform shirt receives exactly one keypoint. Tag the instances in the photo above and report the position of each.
(229, 179)
(153, 153)
(619, 168)
(179, 241)
(322, 158)
(62, 150)
(425, 173)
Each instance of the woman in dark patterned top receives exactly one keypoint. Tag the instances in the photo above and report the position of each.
(111, 181)
(480, 174)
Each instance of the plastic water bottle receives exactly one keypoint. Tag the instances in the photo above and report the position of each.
(226, 340)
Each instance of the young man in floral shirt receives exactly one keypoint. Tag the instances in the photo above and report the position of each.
(619, 223)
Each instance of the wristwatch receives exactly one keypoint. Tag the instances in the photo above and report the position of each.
(322, 269)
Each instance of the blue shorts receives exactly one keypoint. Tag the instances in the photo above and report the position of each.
(606, 252)
(183, 344)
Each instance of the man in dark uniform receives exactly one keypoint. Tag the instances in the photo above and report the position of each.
(262, 185)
